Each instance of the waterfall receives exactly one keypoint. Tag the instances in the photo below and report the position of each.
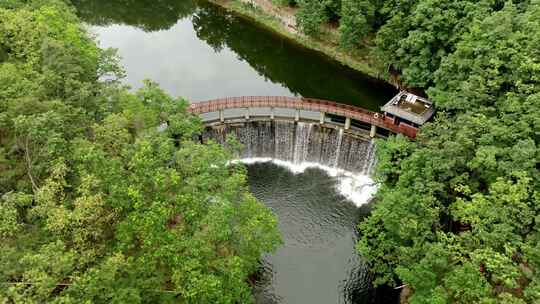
(303, 145)
(301, 142)
(338, 147)
(370, 159)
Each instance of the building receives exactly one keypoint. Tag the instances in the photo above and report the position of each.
(408, 111)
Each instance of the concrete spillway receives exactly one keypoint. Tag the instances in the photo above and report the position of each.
(298, 146)
(300, 143)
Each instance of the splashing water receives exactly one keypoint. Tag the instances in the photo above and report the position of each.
(357, 188)
(300, 146)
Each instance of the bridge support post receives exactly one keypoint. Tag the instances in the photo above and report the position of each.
(373, 131)
(221, 116)
(247, 114)
(347, 123)
(322, 117)
(297, 115)
(272, 112)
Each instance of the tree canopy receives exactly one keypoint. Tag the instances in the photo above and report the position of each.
(457, 216)
(106, 195)
(410, 37)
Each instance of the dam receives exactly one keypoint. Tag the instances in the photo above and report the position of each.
(302, 133)
(323, 111)
(299, 143)
(298, 130)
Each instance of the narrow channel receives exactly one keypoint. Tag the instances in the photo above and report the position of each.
(199, 51)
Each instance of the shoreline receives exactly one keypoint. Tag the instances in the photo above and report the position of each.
(268, 18)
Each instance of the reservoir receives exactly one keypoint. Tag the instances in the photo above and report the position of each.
(199, 51)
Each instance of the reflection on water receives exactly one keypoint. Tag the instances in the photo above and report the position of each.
(197, 50)
(317, 263)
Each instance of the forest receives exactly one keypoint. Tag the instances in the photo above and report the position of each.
(457, 218)
(105, 196)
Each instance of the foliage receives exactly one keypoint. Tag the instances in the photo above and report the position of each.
(412, 37)
(507, 43)
(355, 22)
(457, 214)
(415, 39)
(310, 16)
(104, 194)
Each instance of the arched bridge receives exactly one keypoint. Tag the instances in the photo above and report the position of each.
(353, 115)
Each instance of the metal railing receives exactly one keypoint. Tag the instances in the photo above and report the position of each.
(299, 103)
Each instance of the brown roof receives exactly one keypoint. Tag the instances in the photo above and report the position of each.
(410, 107)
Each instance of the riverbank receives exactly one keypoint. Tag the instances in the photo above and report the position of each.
(281, 20)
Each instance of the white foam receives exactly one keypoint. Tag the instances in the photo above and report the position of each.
(357, 188)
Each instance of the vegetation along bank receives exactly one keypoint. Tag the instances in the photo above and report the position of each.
(282, 20)
(458, 213)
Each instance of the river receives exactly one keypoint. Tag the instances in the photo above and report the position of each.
(199, 51)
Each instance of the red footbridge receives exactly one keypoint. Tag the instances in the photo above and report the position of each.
(353, 116)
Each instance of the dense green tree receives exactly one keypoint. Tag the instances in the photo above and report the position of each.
(412, 37)
(471, 186)
(104, 194)
(417, 36)
(285, 2)
(457, 216)
(498, 56)
(311, 15)
(355, 23)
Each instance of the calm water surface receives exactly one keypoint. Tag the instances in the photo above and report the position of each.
(317, 263)
(198, 51)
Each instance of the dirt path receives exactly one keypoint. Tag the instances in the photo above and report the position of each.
(285, 15)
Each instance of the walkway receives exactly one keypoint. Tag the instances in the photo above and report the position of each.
(307, 104)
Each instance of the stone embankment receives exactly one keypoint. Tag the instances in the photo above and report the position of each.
(282, 20)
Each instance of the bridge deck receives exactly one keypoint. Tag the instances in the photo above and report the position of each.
(308, 104)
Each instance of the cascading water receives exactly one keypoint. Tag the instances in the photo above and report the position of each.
(338, 147)
(299, 146)
(301, 142)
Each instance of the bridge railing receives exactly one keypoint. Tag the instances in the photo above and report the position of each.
(299, 103)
